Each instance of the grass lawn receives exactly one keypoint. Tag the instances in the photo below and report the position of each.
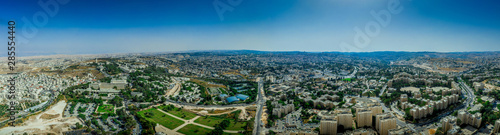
(212, 120)
(181, 113)
(105, 108)
(231, 133)
(191, 129)
(347, 79)
(161, 118)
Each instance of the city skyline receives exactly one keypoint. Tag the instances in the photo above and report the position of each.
(250, 67)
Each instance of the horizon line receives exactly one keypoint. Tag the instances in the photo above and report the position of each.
(196, 51)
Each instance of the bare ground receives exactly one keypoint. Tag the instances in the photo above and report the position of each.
(50, 121)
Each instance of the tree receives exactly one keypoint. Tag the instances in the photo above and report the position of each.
(88, 123)
(377, 92)
(78, 126)
(117, 101)
(149, 114)
(439, 131)
(163, 99)
(104, 116)
(82, 117)
(125, 132)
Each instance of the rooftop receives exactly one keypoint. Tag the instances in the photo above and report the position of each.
(232, 99)
(241, 96)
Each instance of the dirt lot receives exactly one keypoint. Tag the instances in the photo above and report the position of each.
(50, 121)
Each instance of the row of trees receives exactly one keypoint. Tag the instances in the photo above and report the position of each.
(271, 118)
(148, 127)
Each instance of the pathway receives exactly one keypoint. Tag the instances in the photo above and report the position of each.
(161, 128)
(186, 123)
(191, 121)
(236, 109)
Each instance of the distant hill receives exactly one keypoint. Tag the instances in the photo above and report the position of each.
(386, 56)
(382, 55)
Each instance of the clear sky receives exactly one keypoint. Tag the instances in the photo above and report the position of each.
(122, 26)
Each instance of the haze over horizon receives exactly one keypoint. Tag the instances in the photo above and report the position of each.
(99, 27)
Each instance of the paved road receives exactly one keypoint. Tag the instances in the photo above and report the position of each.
(104, 126)
(260, 103)
(469, 93)
(207, 106)
(23, 114)
(138, 127)
(382, 91)
(353, 74)
(394, 108)
(112, 124)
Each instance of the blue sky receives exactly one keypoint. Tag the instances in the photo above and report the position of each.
(122, 26)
